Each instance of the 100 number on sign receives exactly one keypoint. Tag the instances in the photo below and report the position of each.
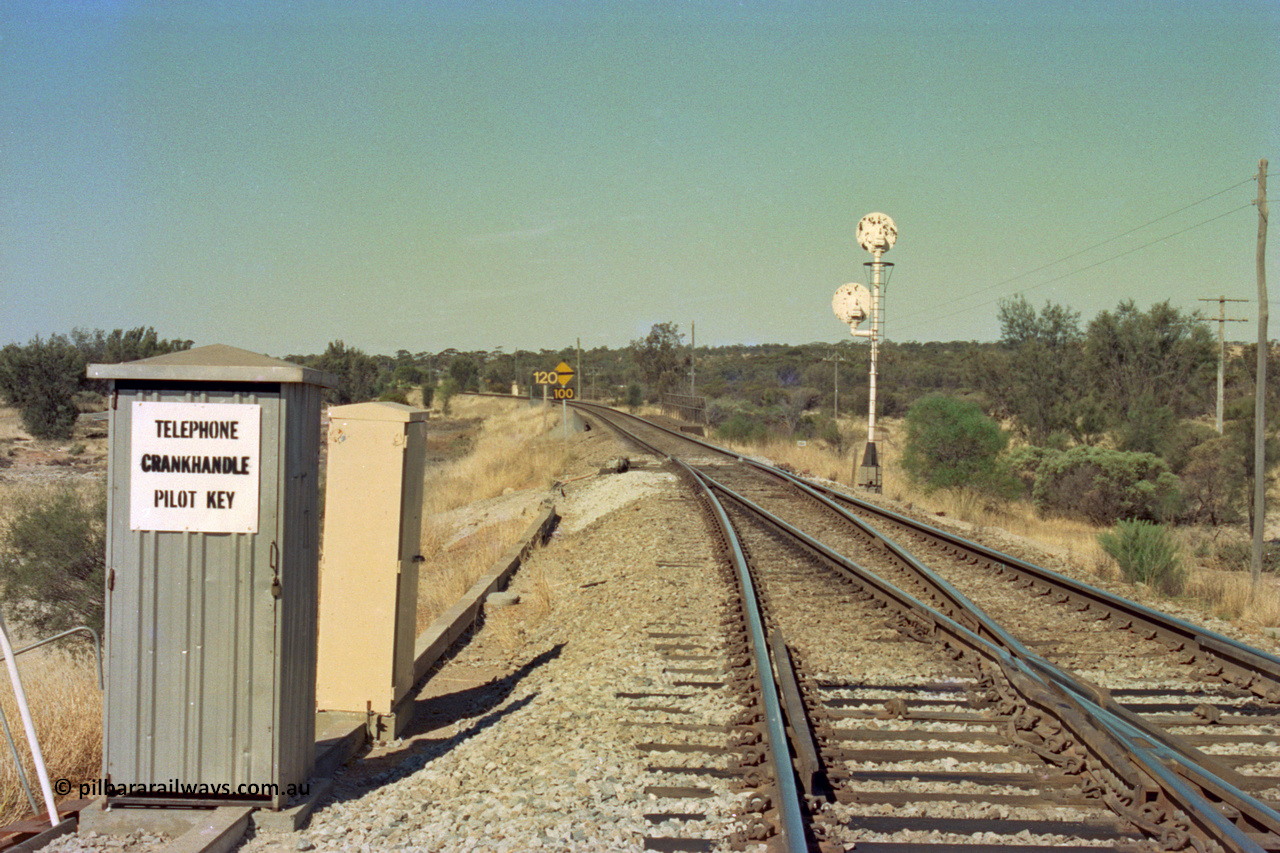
(562, 393)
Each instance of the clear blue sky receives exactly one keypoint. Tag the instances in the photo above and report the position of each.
(275, 175)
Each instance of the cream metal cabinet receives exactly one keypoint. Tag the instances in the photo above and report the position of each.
(369, 576)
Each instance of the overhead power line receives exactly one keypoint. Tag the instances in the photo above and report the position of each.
(945, 309)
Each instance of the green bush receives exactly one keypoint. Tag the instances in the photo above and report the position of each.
(41, 381)
(1146, 554)
(1021, 464)
(743, 428)
(449, 389)
(635, 395)
(394, 395)
(828, 430)
(54, 559)
(1106, 486)
(951, 443)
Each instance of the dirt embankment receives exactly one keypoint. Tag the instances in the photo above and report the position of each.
(24, 459)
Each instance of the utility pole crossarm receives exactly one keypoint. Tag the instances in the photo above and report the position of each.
(1222, 348)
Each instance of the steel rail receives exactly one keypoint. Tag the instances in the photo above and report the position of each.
(1227, 659)
(790, 816)
(968, 612)
(1253, 669)
(1165, 760)
(1224, 784)
(792, 821)
(1113, 741)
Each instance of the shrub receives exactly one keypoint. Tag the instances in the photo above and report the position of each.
(1105, 485)
(1215, 483)
(54, 562)
(394, 395)
(804, 428)
(951, 443)
(635, 395)
(828, 430)
(449, 389)
(1185, 440)
(743, 429)
(41, 381)
(1146, 553)
(1022, 463)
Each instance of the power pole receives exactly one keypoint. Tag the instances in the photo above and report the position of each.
(1260, 393)
(693, 357)
(1223, 319)
(835, 358)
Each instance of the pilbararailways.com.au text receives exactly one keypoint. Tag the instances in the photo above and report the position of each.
(176, 787)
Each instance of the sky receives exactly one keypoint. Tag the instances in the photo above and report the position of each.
(422, 175)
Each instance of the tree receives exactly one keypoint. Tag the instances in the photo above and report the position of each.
(1034, 376)
(466, 373)
(660, 357)
(121, 345)
(1146, 369)
(358, 374)
(41, 381)
(952, 443)
(405, 371)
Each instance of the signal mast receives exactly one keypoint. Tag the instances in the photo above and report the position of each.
(853, 303)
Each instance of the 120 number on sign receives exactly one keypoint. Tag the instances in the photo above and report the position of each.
(545, 377)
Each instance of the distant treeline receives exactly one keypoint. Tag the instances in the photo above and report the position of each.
(1128, 373)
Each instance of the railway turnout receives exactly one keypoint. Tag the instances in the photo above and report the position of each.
(1058, 714)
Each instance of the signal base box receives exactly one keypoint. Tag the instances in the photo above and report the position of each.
(869, 472)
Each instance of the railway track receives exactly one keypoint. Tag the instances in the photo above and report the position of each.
(965, 701)
(1034, 710)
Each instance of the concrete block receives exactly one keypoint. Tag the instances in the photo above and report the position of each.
(217, 832)
(295, 817)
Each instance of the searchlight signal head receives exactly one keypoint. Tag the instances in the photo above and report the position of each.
(876, 233)
(852, 304)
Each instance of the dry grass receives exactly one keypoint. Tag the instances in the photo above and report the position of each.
(1226, 593)
(66, 704)
(517, 448)
(10, 493)
(11, 425)
(1233, 595)
(450, 572)
(509, 626)
(66, 709)
(512, 451)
